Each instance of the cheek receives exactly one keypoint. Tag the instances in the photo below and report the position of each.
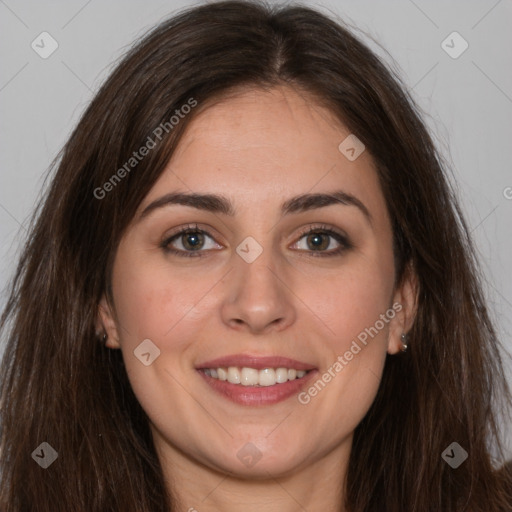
(356, 309)
(353, 301)
(157, 303)
(151, 299)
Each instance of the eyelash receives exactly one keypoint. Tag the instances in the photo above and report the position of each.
(344, 242)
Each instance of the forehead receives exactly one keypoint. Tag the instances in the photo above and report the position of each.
(259, 144)
(268, 129)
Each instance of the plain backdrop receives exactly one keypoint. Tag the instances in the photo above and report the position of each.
(466, 97)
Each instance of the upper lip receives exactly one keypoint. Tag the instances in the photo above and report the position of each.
(256, 362)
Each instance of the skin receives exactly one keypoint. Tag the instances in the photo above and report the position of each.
(258, 148)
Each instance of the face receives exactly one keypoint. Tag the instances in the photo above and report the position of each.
(287, 270)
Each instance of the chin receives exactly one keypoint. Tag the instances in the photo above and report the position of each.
(249, 461)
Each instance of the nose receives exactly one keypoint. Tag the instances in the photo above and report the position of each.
(258, 300)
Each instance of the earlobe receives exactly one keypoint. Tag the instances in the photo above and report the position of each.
(406, 297)
(106, 325)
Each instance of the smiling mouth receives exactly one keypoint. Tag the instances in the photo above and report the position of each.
(256, 380)
(252, 377)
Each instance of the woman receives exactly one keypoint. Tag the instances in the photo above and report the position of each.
(249, 284)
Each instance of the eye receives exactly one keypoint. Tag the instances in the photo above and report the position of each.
(323, 241)
(189, 241)
(192, 241)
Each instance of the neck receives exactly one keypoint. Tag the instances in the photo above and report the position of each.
(314, 486)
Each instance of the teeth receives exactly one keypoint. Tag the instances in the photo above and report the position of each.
(267, 377)
(233, 375)
(253, 377)
(249, 377)
(281, 375)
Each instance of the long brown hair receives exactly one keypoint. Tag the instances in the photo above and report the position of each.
(60, 385)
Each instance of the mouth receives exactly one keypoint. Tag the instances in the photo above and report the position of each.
(253, 377)
(250, 380)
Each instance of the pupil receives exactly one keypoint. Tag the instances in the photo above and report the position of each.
(193, 240)
(317, 241)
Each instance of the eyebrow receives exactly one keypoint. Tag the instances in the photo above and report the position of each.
(216, 203)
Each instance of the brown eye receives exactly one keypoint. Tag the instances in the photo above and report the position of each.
(317, 241)
(190, 241)
(323, 242)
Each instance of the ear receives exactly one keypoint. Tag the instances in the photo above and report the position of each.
(106, 323)
(405, 303)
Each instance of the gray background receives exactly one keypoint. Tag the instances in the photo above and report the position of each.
(467, 101)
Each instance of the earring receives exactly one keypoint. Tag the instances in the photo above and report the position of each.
(104, 338)
(404, 342)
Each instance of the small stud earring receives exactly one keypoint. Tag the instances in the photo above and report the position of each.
(404, 342)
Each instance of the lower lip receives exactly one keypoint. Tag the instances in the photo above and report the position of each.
(258, 395)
